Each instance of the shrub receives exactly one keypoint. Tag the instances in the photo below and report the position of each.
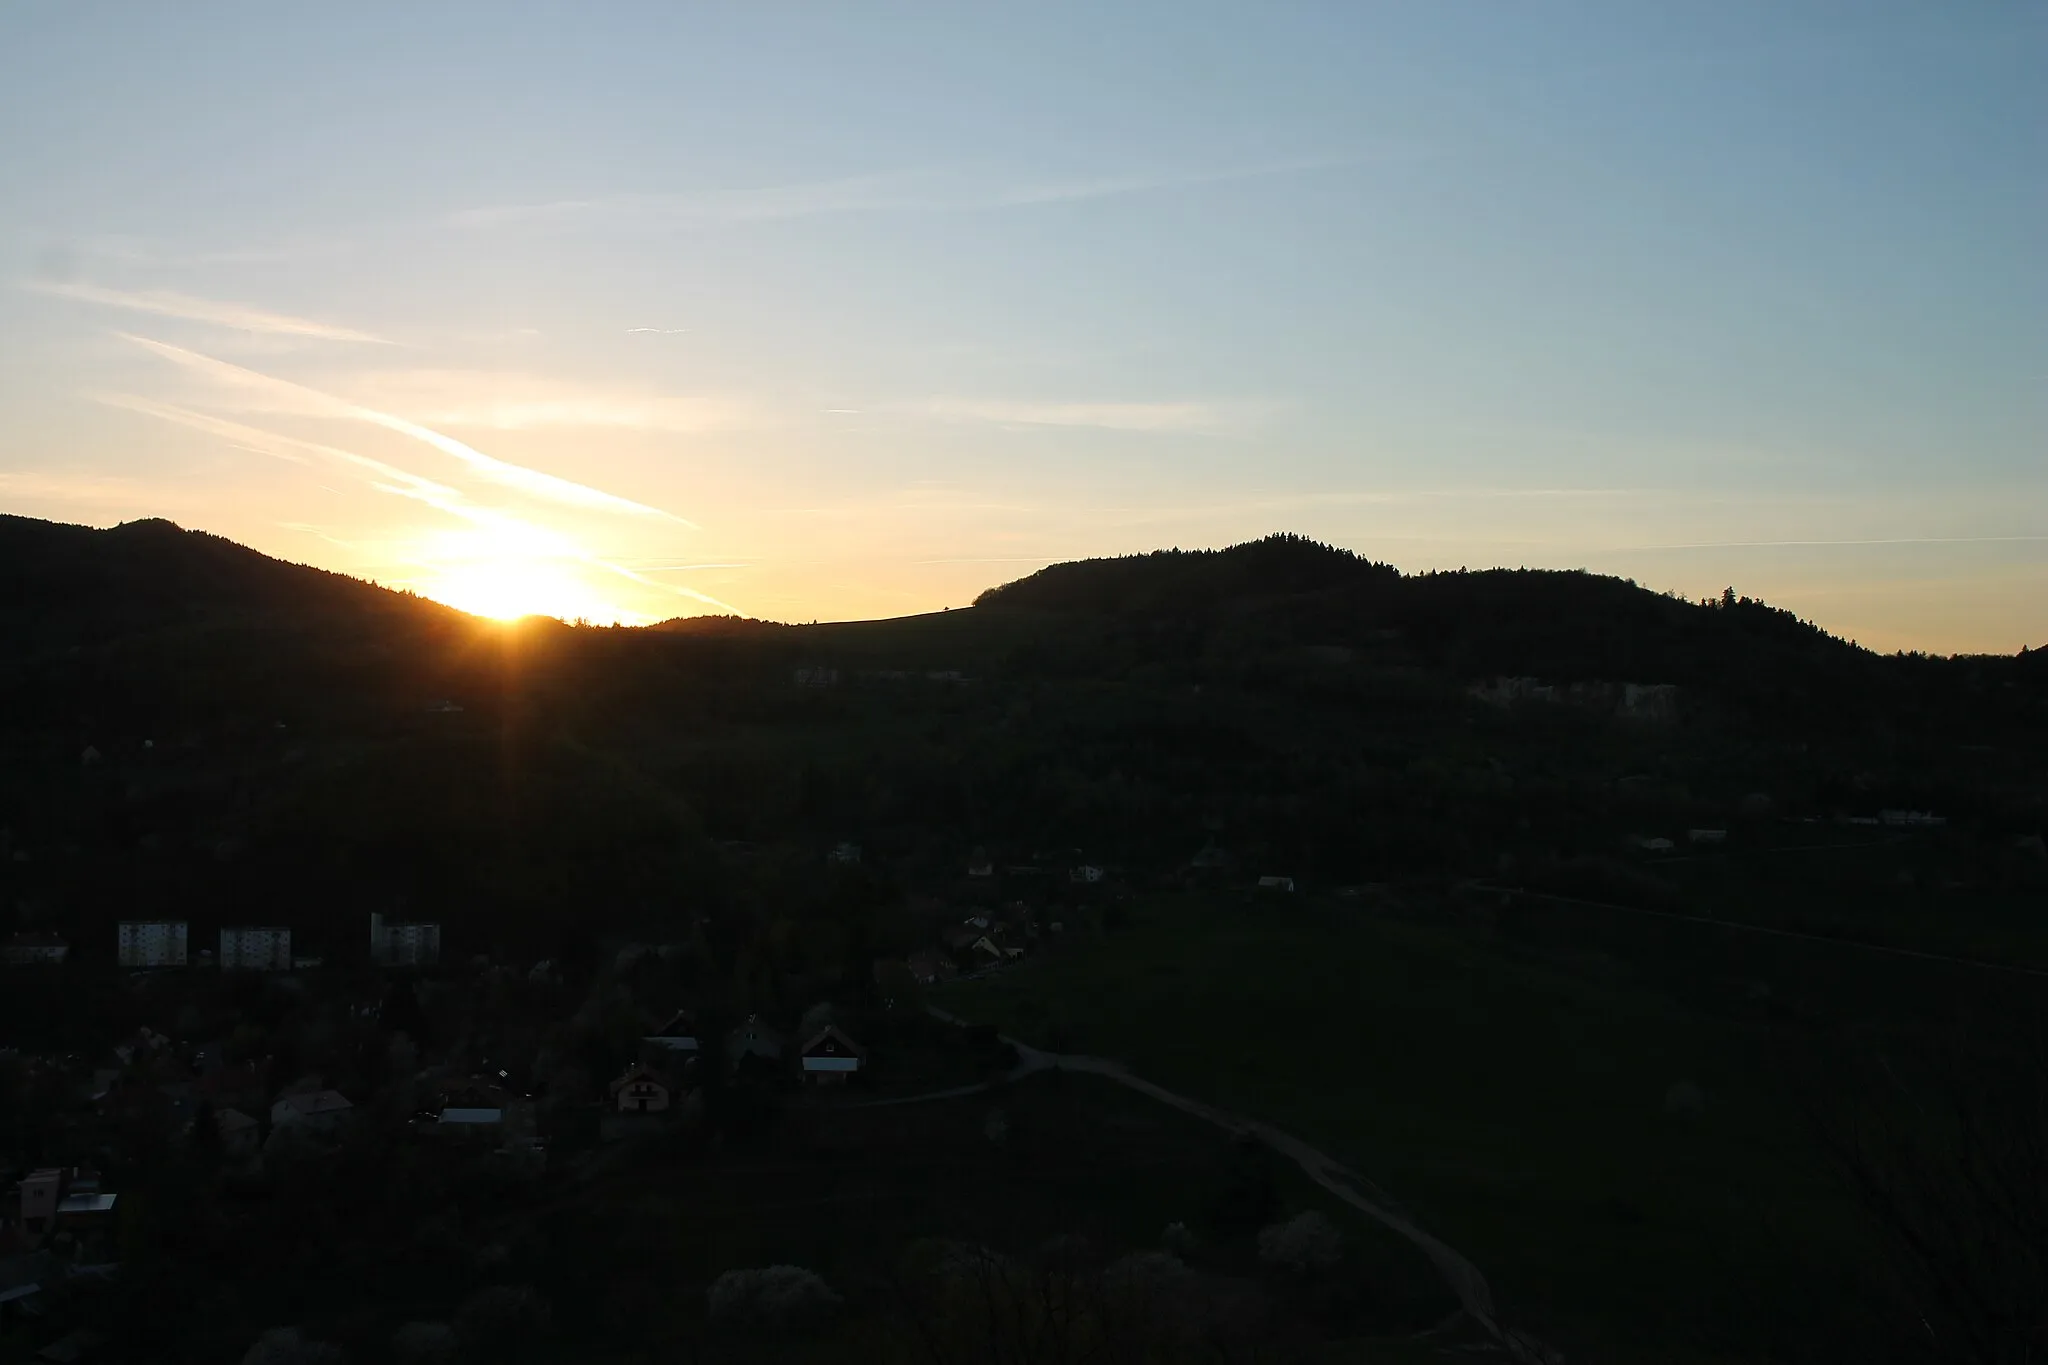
(424, 1343)
(1305, 1243)
(500, 1319)
(779, 1296)
(286, 1346)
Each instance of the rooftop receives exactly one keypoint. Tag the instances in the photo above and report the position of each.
(472, 1116)
(87, 1203)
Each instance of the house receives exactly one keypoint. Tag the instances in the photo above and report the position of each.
(1706, 836)
(678, 1035)
(39, 1192)
(979, 865)
(62, 1194)
(23, 1274)
(816, 677)
(753, 1040)
(642, 1090)
(320, 1111)
(1087, 874)
(988, 947)
(240, 1135)
(960, 938)
(72, 1346)
(30, 947)
(482, 1124)
(844, 854)
(152, 943)
(1276, 883)
(397, 944)
(928, 967)
(255, 949)
(1655, 845)
(89, 1206)
(830, 1057)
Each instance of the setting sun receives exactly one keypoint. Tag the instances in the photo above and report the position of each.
(507, 569)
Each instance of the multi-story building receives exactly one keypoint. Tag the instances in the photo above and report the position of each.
(400, 944)
(25, 948)
(153, 943)
(256, 949)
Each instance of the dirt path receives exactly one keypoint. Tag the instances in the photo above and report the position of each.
(1475, 1296)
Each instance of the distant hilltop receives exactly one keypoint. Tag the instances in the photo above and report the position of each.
(1280, 564)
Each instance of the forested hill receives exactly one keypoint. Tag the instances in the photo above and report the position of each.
(1179, 580)
(1562, 625)
(60, 583)
(1337, 593)
(1759, 663)
(202, 725)
(149, 621)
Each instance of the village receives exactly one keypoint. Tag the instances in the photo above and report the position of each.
(253, 1056)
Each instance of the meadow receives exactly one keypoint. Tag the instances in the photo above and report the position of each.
(849, 1189)
(1508, 1075)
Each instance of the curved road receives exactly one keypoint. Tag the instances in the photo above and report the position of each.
(1464, 1278)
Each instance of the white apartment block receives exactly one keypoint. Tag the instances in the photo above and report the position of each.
(153, 943)
(256, 949)
(399, 944)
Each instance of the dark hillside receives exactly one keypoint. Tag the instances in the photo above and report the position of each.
(1314, 707)
(60, 584)
(1191, 580)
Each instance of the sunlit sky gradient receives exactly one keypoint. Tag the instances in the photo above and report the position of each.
(825, 311)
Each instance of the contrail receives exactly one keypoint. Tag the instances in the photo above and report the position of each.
(318, 404)
(166, 303)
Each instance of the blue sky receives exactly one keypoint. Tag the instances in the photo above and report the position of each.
(818, 311)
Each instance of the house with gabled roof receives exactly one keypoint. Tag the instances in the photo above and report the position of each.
(642, 1090)
(678, 1035)
(240, 1135)
(830, 1057)
(317, 1110)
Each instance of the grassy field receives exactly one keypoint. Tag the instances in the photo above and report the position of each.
(1920, 892)
(1508, 1084)
(844, 1190)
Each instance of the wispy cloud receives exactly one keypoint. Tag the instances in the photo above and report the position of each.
(1823, 544)
(1153, 417)
(888, 192)
(166, 303)
(282, 395)
(396, 481)
(387, 478)
(21, 487)
(500, 400)
(659, 331)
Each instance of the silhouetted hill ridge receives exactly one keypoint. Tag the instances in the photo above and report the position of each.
(61, 582)
(1277, 565)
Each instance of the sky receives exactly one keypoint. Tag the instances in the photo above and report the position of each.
(815, 312)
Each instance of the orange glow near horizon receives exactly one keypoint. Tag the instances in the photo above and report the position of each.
(509, 569)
